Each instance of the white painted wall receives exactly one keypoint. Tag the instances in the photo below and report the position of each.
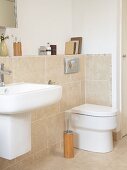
(97, 21)
(42, 21)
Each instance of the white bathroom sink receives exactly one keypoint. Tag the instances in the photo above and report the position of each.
(23, 97)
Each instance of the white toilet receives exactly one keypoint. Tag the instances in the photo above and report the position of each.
(93, 125)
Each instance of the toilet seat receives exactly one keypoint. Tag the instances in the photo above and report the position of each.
(95, 110)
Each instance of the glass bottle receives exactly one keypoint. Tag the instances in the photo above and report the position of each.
(48, 49)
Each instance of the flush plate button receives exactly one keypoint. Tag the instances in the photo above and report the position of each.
(71, 65)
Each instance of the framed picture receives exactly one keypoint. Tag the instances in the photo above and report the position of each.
(80, 43)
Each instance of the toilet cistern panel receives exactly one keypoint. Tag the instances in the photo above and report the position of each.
(71, 65)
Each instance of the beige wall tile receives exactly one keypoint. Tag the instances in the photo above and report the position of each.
(81, 74)
(98, 67)
(39, 135)
(89, 67)
(71, 96)
(29, 69)
(102, 67)
(83, 91)
(48, 111)
(55, 129)
(97, 92)
(98, 79)
(55, 69)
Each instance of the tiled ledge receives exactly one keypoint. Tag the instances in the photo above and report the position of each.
(59, 55)
(40, 56)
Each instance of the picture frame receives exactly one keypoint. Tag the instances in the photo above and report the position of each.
(80, 43)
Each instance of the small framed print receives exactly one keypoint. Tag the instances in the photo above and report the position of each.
(80, 43)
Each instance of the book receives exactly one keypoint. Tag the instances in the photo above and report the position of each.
(70, 47)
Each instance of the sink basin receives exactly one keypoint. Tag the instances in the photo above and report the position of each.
(16, 102)
(23, 97)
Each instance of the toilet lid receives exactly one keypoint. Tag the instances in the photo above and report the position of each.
(95, 110)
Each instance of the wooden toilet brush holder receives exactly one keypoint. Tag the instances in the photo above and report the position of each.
(68, 144)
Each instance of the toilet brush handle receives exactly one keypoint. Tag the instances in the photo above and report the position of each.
(67, 120)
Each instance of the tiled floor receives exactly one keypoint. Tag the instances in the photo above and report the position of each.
(116, 160)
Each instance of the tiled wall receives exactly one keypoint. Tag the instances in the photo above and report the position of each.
(48, 122)
(98, 79)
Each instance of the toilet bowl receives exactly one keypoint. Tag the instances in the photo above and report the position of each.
(92, 126)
